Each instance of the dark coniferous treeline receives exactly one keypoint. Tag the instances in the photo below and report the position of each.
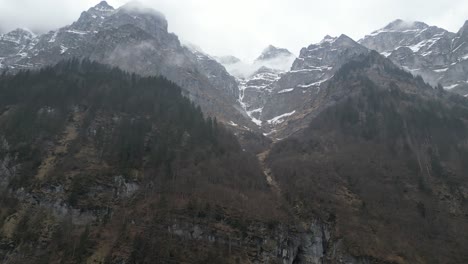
(123, 148)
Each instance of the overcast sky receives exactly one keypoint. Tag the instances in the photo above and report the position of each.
(245, 27)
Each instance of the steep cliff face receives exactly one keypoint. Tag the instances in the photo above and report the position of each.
(310, 243)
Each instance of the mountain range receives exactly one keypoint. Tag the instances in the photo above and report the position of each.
(120, 144)
(435, 54)
(261, 95)
(136, 39)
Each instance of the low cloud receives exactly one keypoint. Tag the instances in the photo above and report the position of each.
(244, 27)
(245, 70)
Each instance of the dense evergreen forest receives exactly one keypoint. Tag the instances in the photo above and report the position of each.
(94, 157)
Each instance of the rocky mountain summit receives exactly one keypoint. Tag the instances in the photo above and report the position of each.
(15, 42)
(439, 56)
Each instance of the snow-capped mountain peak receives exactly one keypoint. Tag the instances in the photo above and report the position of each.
(18, 35)
(328, 39)
(15, 42)
(402, 25)
(103, 7)
(272, 52)
(275, 58)
(341, 41)
(437, 55)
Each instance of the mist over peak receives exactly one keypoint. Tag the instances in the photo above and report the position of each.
(139, 7)
(400, 24)
(277, 59)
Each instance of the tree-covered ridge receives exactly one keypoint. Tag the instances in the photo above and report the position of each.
(148, 115)
(385, 164)
(118, 148)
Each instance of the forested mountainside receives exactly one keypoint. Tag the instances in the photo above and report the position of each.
(351, 152)
(103, 166)
(386, 163)
(97, 164)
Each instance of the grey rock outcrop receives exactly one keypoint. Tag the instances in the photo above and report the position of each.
(311, 244)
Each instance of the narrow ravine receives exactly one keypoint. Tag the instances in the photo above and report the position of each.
(268, 172)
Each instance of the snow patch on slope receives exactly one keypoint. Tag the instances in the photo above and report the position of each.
(286, 90)
(76, 32)
(63, 49)
(450, 87)
(242, 88)
(280, 119)
(53, 38)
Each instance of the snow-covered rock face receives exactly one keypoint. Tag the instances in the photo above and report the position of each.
(330, 52)
(135, 39)
(18, 36)
(255, 90)
(15, 43)
(397, 34)
(294, 89)
(272, 96)
(433, 53)
(256, 79)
